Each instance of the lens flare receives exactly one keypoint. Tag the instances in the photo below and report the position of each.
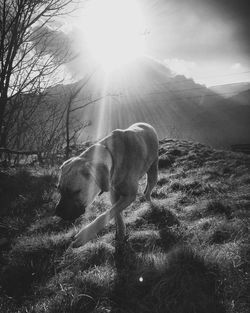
(114, 32)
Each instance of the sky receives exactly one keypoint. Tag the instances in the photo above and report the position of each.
(203, 39)
(207, 40)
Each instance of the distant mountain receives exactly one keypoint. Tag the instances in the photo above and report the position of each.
(230, 90)
(242, 98)
(177, 107)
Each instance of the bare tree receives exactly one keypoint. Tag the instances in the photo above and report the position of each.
(74, 126)
(27, 66)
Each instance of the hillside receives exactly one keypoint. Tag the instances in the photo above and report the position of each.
(187, 252)
(230, 90)
(242, 98)
(146, 90)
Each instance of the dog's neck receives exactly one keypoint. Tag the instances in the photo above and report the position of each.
(99, 153)
(108, 158)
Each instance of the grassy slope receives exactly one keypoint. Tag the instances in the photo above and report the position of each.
(188, 252)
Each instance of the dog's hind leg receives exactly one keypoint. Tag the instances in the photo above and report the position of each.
(120, 225)
(152, 176)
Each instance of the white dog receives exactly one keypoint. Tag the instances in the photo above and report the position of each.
(115, 164)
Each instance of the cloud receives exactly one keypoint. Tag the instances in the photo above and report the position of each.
(237, 67)
(237, 14)
(66, 46)
(180, 66)
(200, 29)
(56, 43)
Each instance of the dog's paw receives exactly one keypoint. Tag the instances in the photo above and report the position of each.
(76, 243)
(79, 240)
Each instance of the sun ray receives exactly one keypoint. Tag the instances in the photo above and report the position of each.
(114, 32)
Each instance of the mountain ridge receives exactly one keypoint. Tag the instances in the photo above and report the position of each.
(147, 91)
(176, 106)
(230, 90)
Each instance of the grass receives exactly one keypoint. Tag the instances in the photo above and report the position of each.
(187, 252)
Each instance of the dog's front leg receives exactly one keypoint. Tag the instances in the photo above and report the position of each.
(90, 231)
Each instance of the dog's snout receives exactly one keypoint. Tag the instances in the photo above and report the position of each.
(68, 211)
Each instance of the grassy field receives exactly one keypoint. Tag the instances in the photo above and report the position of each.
(188, 252)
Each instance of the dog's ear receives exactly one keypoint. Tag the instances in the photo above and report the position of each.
(102, 176)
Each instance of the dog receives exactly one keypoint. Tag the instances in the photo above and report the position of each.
(114, 164)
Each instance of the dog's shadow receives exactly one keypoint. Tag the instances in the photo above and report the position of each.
(125, 255)
(178, 281)
(125, 260)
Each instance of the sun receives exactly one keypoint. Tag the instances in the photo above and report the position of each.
(114, 31)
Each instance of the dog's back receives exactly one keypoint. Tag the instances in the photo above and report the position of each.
(146, 134)
(133, 149)
(141, 141)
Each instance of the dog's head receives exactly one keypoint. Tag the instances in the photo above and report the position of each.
(80, 182)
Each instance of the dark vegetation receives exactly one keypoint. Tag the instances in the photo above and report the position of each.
(187, 252)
